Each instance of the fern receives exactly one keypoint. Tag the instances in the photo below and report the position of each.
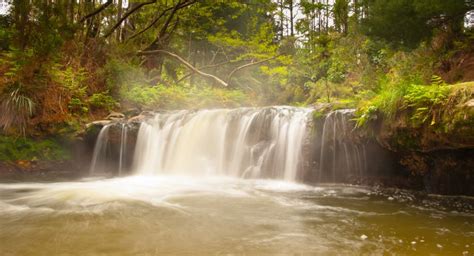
(16, 109)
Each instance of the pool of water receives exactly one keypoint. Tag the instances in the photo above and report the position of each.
(171, 215)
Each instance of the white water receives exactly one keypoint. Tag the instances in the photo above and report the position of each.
(340, 157)
(100, 149)
(244, 142)
(177, 215)
(105, 157)
(123, 147)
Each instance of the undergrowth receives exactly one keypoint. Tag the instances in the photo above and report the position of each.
(13, 149)
(180, 97)
(434, 104)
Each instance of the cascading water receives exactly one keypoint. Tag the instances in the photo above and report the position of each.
(104, 151)
(340, 155)
(123, 147)
(245, 142)
(100, 149)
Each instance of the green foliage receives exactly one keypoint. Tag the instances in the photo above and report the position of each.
(12, 149)
(424, 100)
(118, 72)
(406, 23)
(72, 80)
(374, 54)
(179, 97)
(436, 104)
(102, 100)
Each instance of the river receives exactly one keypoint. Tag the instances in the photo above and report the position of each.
(180, 215)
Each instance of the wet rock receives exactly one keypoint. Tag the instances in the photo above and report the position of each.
(116, 116)
(147, 114)
(137, 119)
(99, 123)
(132, 112)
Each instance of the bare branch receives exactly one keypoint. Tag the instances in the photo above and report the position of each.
(248, 65)
(125, 16)
(184, 4)
(165, 26)
(187, 64)
(207, 67)
(96, 11)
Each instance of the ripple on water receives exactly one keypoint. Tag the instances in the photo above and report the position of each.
(179, 215)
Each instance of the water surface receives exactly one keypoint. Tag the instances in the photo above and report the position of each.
(171, 215)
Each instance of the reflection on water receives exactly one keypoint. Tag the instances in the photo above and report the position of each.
(213, 216)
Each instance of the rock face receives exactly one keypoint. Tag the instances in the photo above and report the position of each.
(439, 154)
(338, 152)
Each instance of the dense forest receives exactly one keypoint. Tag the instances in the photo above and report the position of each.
(65, 63)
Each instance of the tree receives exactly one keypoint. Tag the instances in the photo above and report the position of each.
(341, 15)
(406, 23)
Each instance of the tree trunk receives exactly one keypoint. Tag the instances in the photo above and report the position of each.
(292, 31)
(119, 16)
(327, 16)
(356, 11)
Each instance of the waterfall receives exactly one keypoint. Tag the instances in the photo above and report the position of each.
(105, 154)
(100, 149)
(244, 142)
(341, 156)
(123, 147)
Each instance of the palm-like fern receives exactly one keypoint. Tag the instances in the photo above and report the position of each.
(15, 110)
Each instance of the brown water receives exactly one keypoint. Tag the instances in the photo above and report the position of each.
(222, 216)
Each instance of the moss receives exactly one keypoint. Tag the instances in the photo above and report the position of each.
(13, 149)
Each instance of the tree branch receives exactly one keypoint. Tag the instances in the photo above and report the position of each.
(165, 26)
(158, 18)
(207, 67)
(187, 64)
(125, 16)
(246, 66)
(96, 11)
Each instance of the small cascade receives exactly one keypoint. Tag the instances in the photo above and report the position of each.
(123, 147)
(244, 142)
(105, 157)
(341, 155)
(100, 149)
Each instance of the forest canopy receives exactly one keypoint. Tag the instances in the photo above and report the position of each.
(63, 63)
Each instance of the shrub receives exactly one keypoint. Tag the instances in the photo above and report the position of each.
(12, 149)
(102, 100)
(181, 97)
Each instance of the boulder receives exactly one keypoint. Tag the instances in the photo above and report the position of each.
(115, 116)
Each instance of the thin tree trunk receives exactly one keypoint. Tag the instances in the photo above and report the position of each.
(292, 32)
(119, 16)
(319, 19)
(356, 11)
(327, 90)
(327, 16)
(71, 11)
